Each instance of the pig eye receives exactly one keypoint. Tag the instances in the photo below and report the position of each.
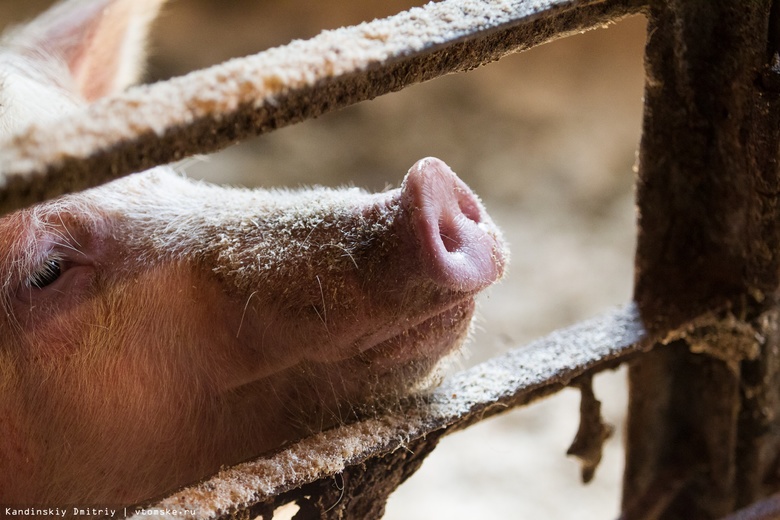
(47, 274)
(55, 280)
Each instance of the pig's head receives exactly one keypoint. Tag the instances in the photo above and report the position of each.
(156, 328)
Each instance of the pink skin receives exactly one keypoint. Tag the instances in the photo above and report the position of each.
(154, 329)
(180, 338)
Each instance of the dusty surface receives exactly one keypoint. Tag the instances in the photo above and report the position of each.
(209, 109)
(547, 138)
(522, 375)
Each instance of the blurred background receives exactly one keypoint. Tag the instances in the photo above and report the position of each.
(546, 137)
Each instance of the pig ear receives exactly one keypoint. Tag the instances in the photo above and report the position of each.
(100, 41)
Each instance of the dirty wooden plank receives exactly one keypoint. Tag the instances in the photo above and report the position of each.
(516, 378)
(210, 109)
(703, 410)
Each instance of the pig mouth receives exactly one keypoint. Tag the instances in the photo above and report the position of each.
(423, 343)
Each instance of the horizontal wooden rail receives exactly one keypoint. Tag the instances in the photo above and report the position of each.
(210, 109)
(516, 378)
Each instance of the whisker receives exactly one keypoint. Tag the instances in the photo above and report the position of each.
(324, 316)
(243, 314)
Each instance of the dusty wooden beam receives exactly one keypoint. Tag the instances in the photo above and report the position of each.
(588, 444)
(705, 407)
(210, 109)
(354, 468)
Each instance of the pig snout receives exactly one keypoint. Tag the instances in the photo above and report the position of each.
(347, 272)
(461, 246)
(443, 249)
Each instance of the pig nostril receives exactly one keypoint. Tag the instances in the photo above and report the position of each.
(449, 236)
(451, 231)
(469, 207)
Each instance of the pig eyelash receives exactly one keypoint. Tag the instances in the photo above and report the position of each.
(46, 274)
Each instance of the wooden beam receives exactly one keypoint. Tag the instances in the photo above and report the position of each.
(369, 459)
(213, 108)
(704, 408)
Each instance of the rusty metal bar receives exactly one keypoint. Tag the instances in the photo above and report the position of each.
(703, 410)
(391, 447)
(213, 108)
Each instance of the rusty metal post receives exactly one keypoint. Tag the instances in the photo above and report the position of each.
(704, 420)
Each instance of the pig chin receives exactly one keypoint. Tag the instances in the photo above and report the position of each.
(322, 394)
(415, 352)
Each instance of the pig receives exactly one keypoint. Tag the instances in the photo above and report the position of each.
(156, 328)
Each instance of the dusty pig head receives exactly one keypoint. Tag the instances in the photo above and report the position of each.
(156, 328)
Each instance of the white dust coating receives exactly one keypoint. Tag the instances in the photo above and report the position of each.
(558, 357)
(553, 360)
(178, 216)
(259, 80)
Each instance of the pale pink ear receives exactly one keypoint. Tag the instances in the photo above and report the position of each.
(101, 41)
